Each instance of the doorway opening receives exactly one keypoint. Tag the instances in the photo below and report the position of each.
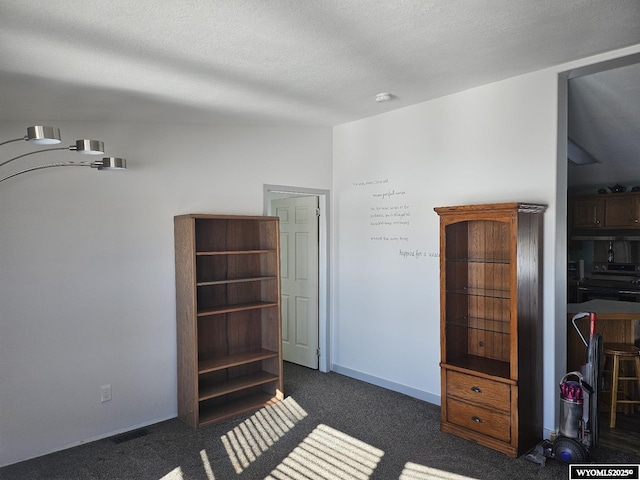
(592, 99)
(276, 193)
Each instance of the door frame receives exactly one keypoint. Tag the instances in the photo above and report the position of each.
(281, 191)
(562, 240)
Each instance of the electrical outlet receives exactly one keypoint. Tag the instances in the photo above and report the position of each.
(105, 393)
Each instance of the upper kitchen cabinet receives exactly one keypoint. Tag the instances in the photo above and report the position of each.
(607, 211)
(588, 212)
(622, 211)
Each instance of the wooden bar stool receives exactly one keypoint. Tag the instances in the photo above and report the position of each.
(620, 352)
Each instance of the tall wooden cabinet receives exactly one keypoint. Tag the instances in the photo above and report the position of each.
(228, 315)
(491, 324)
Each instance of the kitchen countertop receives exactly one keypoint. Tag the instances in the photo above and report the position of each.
(605, 306)
(617, 322)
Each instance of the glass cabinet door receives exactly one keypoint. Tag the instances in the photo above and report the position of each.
(478, 296)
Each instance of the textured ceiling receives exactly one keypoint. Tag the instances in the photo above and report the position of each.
(604, 119)
(313, 62)
(281, 62)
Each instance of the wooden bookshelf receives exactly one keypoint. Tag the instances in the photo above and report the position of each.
(228, 315)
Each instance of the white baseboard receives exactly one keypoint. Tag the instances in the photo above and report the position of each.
(89, 440)
(389, 385)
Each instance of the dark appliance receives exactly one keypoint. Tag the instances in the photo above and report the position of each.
(611, 281)
(579, 400)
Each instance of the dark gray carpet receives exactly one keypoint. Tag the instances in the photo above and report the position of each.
(330, 427)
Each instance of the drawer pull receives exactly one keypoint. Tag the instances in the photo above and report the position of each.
(476, 419)
(481, 344)
(476, 389)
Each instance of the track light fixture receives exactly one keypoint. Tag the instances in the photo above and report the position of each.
(43, 135)
(39, 135)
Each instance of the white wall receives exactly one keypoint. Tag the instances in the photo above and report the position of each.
(478, 146)
(86, 258)
(496, 143)
(87, 292)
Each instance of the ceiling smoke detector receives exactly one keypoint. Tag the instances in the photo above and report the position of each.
(383, 97)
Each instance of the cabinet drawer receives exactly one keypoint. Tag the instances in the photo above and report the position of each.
(479, 419)
(494, 395)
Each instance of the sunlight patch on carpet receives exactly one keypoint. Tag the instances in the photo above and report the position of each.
(175, 474)
(328, 454)
(414, 471)
(207, 465)
(246, 442)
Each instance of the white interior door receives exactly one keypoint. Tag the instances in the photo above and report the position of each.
(299, 278)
